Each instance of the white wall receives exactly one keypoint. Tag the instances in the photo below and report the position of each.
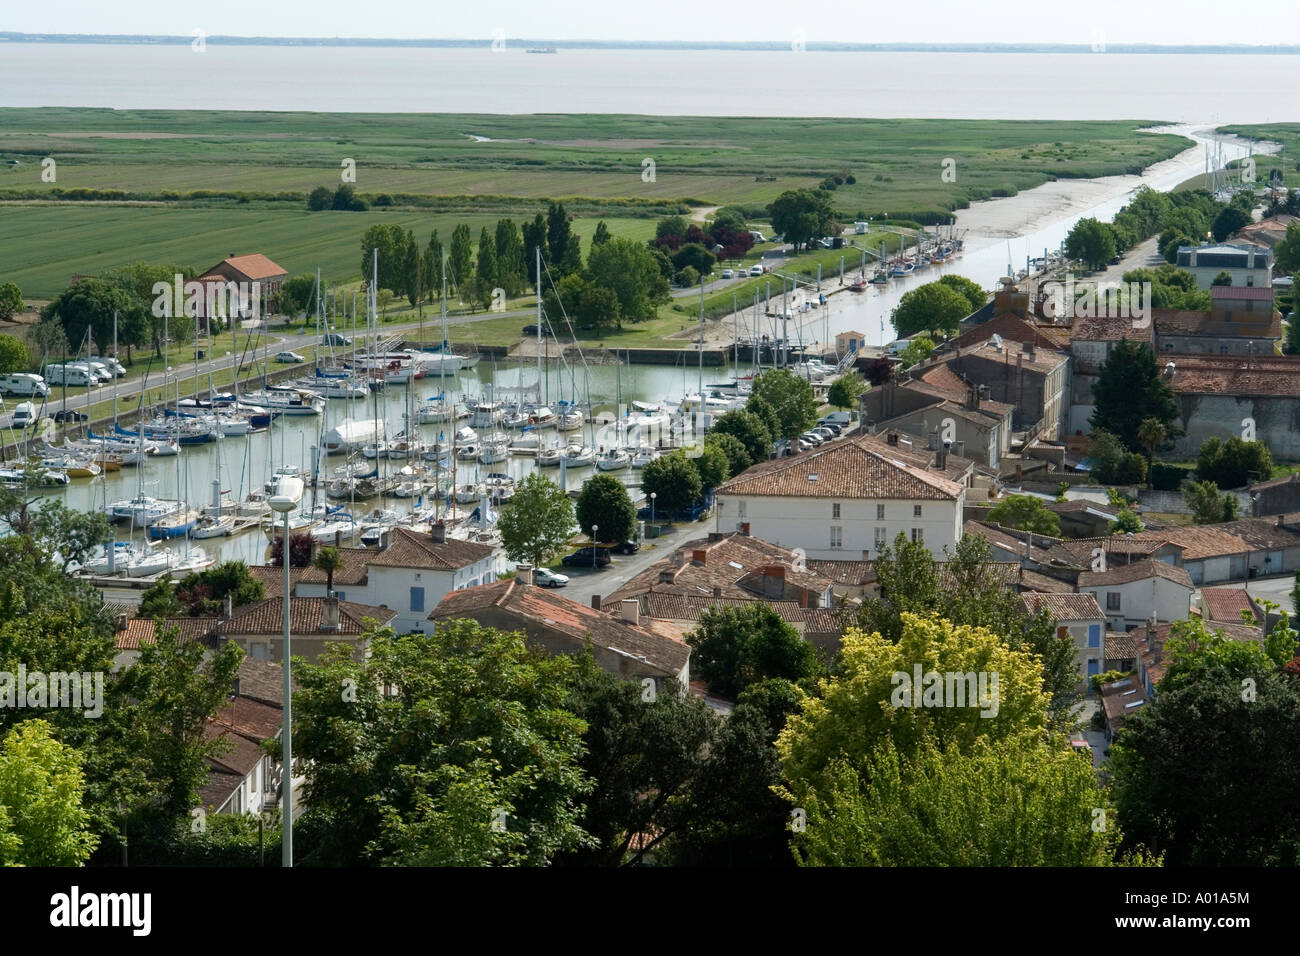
(1171, 602)
(806, 522)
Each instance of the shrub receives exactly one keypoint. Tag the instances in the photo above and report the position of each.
(1166, 477)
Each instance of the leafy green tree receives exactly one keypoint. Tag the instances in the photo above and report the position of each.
(933, 307)
(971, 290)
(1291, 344)
(1209, 505)
(42, 820)
(845, 390)
(1233, 463)
(1112, 463)
(1091, 242)
(1128, 391)
(1223, 278)
(346, 199)
(460, 261)
(919, 348)
(486, 276)
(729, 217)
(1228, 221)
(537, 523)
(748, 429)
(801, 215)
(791, 398)
(628, 270)
(951, 806)
(672, 226)
(1126, 521)
(413, 281)
(476, 762)
(644, 758)
(534, 238)
(712, 465)
(694, 256)
(605, 503)
(87, 306)
(674, 481)
(686, 278)
(733, 448)
(203, 593)
(11, 300)
(327, 560)
(298, 294)
(601, 234)
(1287, 252)
(320, 198)
(70, 534)
(558, 232)
(1026, 513)
(761, 407)
(1152, 433)
(390, 242)
(734, 647)
(1205, 769)
(511, 269)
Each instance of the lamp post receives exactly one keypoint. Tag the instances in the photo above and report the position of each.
(653, 496)
(288, 493)
(594, 529)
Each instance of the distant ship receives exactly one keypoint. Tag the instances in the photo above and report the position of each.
(542, 49)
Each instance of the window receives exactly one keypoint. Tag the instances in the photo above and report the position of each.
(1112, 600)
(882, 538)
(1094, 631)
(339, 595)
(740, 508)
(916, 511)
(835, 510)
(880, 512)
(837, 536)
(417, 599)
(918, 537)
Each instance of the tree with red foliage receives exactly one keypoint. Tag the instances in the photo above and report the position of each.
(670, 242)
(878, 371)
(300, 550)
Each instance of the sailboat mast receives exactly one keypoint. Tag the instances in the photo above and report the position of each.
(538, 253)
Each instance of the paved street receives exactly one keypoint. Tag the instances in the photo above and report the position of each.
(584, 582)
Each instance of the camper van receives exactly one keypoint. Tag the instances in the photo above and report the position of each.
(24, 415)
(23, 383)
(70, 374)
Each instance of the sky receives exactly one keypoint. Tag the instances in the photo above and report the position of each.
(933, 21)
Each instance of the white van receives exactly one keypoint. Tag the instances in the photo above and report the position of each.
(75, 373)
(101, 371)
(24, 415)
(23, 383)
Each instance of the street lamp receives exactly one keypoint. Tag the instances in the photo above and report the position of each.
(653, 496)
(594, 529)
(288, 493)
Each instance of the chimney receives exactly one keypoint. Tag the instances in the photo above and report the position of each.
(595, 602)
(1281, 521)
(715, 535)
(524, 573)
(973, 397)
(227, 608)
(631, 610)
(775, 571)
(1029, 350)
(438, 532)
(744, 527)
(717, 591)
(329, 615)
(699, 556)
(941, 457)
(1020, 360)
(667, 576)
(121, 622)
(892, 438)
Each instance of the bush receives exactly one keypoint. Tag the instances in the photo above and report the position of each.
(1166, 477)
(1129, 468)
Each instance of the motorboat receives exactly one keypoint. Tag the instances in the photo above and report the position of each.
(549, 457)
(517, 419)
(486, 414)
(350, 435)
(465, 435)
(73, 466)
(143, 510)
(643, 456)
(289, 400)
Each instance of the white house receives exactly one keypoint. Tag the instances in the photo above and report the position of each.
(1079, 618)
(1133, 594)
(845, 500)
(410, 575)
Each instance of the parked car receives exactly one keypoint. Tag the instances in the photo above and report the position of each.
(532, 330)
(335, 338)
(546, 578)
(587, 557)
(836, 418)
(288, 357)
(825, 433)
(24, 415)
(68, 415)
(728, 274)
(628, 547)
(812, 439)
(756, 270)
(833, 429)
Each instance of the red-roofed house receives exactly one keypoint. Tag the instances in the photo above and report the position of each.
(1078, 618)
(240, 284)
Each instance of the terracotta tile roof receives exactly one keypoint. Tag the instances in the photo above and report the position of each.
(261, 681)
(1234, 374)
(241, 754)
(853, 573)
(1137, 571)
(1264, 534)
(1042, 360)
(1008, 543)
(1121, 646)
(266, 617)
(1078, 551)
(1063, 607)
(1013, 327)
(664, 605)
(1044, 583)
(1205, 541)
(911, 450)
(1225, 604)
(219, 786)
(410, 549)
(255, 266)
(1121, 698)
(1180, 321)
(1107, 329)
(542, 607)
(846, 469)
(1198, 322)
(826, 620)
(1255, 293)
(141, 631)
(249, 718)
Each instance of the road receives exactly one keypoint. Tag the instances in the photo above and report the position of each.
(584, 582)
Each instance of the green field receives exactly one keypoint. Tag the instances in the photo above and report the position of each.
(256, 169)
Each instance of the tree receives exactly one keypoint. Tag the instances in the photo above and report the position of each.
(1112, 463)
(70, 534)
(346, 199)
(933, 307)
(969, 289)
(1233, 463)
(628, 270)
(460, 259)
(203, 593)
(1091, 242)
(486, 275)
(729, 217)
(879, 371)
(735, 647)
(845, 390)
(535, 238)
(801, 215)
(1223, 278)
(1015, 804)
(433, 263)
(766, 414)
(412, 270)
(48, 337)
(558, 232)
(320, 198)
(1126, 522)
(1287, 252)
(1228, 221)
(686, 278)
(1152, 433)
(748, 429)
(732, 448)
(87, 307)
(298, 294)
(694, 256)
(11, 300)
(1291, 346)
(605, 503)
(42, 820)
(919, 348)
(791, 397)
(301, 548)
(537, 523)
(328, 560)
(671, 226)
(390, 241)
(1209, 505)
(1027, 513)
(1128, 391)
(511, 269)
(475, 762)
(601, 234)
(673, 480)
(1203, 771)
(712, 465)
